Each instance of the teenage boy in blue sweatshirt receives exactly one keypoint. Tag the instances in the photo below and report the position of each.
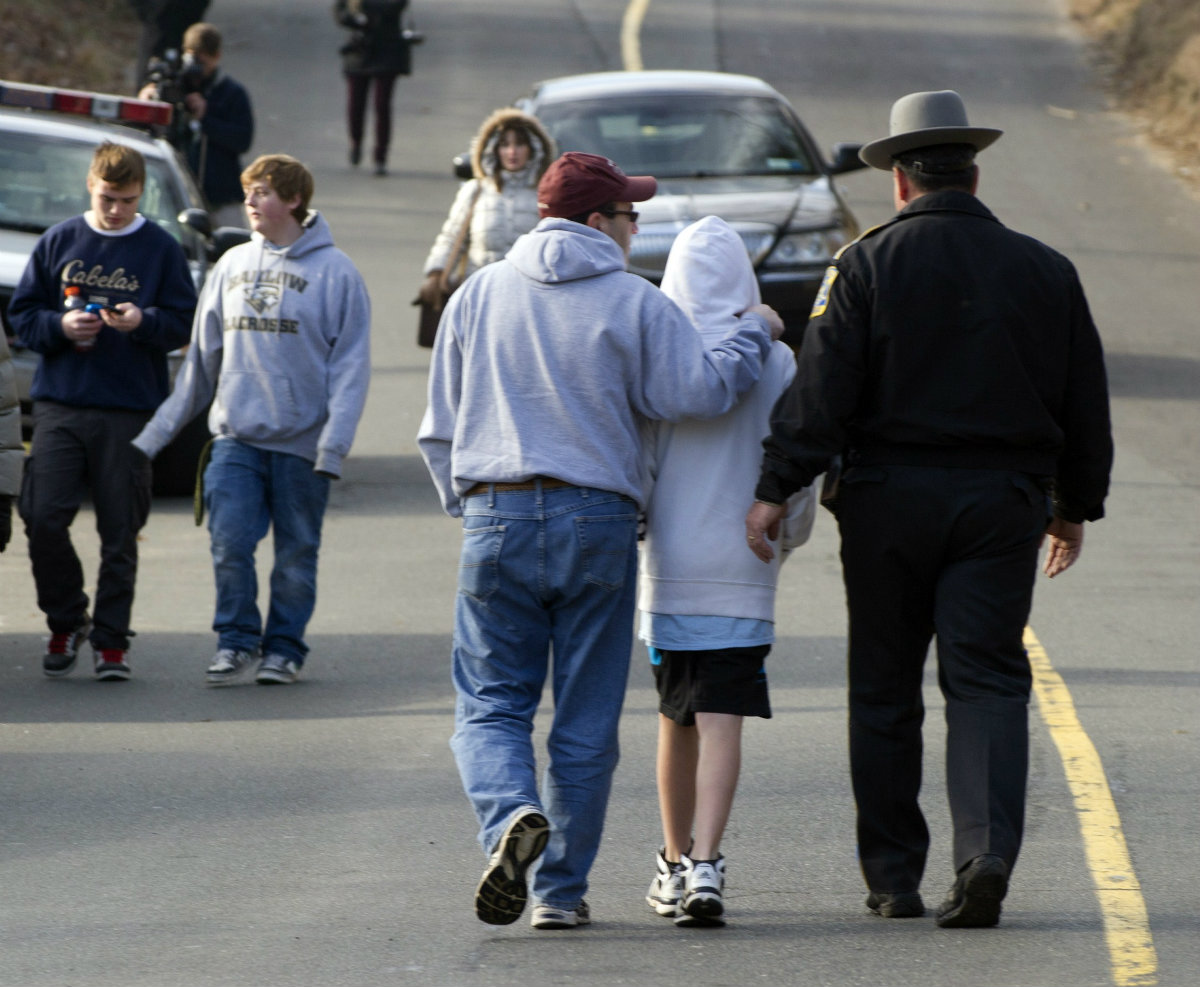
(281, 348)
(100, 377)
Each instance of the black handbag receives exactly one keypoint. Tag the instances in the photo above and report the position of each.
(428, 323)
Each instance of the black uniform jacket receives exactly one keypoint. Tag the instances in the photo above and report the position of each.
(942, 338)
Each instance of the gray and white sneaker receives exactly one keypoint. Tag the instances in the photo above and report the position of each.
(667, 887)
(549, 917)
(227, 665)
(277, 670)
(703, 884)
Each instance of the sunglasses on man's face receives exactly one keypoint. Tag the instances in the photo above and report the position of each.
(631, 213)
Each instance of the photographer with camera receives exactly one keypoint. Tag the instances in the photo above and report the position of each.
(219, 122)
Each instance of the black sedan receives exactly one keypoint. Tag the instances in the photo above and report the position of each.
(719, 144)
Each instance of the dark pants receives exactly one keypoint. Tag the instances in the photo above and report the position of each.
(952, 553)
(357, 86)
(78, 451)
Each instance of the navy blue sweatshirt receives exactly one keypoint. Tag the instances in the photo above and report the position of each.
(123, 370)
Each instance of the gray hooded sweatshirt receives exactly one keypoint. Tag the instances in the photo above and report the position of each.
(547, 362)
(280, 345)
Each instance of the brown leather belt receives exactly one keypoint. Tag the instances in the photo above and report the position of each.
(545, 482)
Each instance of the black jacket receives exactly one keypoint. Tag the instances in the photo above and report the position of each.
(377, 45)
(224, 134)
(942, 338)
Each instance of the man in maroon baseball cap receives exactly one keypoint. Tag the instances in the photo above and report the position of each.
(546, 365)
(590, 189)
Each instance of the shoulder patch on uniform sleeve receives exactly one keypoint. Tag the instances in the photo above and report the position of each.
(821, 302)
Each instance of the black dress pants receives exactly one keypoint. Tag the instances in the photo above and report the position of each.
(952, 554)
(78, 451)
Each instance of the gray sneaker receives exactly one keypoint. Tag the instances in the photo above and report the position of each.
(227, 665)
(62, 650)
(277, 670)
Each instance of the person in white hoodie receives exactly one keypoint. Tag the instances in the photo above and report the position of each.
(707, 605)
(280, 345)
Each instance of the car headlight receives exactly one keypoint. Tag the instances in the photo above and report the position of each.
(807, 247)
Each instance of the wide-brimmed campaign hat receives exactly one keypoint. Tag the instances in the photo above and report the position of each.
(923, 120)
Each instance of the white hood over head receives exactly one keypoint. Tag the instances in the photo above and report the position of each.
(709, 276)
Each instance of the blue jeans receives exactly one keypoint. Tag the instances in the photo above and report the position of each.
(544, 571)
(246, 491)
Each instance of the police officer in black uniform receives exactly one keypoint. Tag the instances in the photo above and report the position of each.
(952, 367)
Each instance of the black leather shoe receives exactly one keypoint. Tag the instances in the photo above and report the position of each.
(896, 904)
(974, 900)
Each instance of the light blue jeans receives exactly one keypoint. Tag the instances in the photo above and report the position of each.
(544, 571)
(246, 491)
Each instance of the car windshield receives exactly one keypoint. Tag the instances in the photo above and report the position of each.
(678, 136)
(43, 181)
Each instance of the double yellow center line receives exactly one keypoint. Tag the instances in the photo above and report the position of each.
(631, 35)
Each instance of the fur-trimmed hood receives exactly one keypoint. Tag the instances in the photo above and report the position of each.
(484, 164)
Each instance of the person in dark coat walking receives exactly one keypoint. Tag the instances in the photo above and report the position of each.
(954, 366)
(219, 124)
(378, 51)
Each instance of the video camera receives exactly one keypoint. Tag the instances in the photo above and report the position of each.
(174, 77)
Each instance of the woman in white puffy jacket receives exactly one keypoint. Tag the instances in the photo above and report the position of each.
(509, 155)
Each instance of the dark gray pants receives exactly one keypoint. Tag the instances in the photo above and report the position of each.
(78, 451)
(950, 553)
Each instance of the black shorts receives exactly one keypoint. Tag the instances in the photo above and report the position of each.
(728, 680)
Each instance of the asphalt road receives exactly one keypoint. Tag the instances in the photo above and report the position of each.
(161, 833)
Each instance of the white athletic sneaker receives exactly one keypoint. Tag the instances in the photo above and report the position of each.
(703, 884)
(549, 917)
(667, 887)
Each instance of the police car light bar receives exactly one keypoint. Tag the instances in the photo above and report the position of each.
(100, 106)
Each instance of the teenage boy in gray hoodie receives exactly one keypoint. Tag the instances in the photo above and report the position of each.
(280, 346)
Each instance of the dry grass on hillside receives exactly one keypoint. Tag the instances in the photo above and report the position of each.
(1151, 50)
(77, 44)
